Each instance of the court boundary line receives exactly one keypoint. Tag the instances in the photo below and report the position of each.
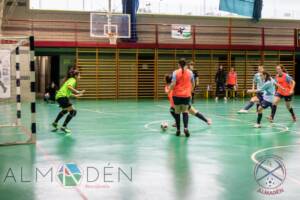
(253, 157)
(286, 129)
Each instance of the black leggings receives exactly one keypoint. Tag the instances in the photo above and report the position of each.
(220, 89)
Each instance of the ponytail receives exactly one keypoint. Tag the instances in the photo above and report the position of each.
(268, 76)
(72, 73)
(182, 64)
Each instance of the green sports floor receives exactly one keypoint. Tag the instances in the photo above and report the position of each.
(122, 153)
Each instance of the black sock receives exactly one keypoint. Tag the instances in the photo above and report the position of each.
(259, 116)
(274, 108)
(173, 114)
(185, 117)
(177, 120)
(60, 115)
(257, 106)
(292, 112)
(249, 105)
(200, 116)
(67, 120)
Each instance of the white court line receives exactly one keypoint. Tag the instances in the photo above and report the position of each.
(281, 130)
(99, 112)
(147, 126)
(253, 158)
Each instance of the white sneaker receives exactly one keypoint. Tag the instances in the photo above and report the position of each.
(243, 111)
(225, 98)
(257, 126)
(217, 98)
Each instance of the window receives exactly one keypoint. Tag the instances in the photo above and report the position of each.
(277, 9)
(76, 5)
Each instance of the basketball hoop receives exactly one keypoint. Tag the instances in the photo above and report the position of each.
(112, 38)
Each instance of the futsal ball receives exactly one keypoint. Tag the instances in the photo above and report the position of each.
(164, 126)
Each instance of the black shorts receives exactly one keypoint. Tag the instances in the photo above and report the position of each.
(64, 102)
(265, 104)
(182, 101)
(259, 95)
(229, 86)
(172, 109)
(286, 98)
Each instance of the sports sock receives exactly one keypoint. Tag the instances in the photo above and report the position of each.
(259, 116)
(249, 105)
(200, 116)
(177, 120)
(60, 115)
(67, 120)
(71, 114)
(292, 111)
(274, 108)
(173, 114)
(185, 117)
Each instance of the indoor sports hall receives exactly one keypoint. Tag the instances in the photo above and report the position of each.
(149, 99)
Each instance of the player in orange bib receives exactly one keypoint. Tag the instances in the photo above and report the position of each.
(232, 82)
(181, 86)
(192, 110)
(286, 91)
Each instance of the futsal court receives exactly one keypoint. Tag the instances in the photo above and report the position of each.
(216, 162)
(149, 100)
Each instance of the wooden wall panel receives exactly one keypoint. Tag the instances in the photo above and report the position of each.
(119, 73)
(128, 73)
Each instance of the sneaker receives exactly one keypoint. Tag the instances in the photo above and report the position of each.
(225, 98)
(186, 132)
(243, 111)
(174, 125)
(177, 133)
(55, 125)
(257, 126)
(217, 98)
(294, 118)
(66, 130)
(209, 122)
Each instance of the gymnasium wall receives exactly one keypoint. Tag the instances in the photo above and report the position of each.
(139, 73)
(74, 26)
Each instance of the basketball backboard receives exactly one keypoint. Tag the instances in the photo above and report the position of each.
(103, 24)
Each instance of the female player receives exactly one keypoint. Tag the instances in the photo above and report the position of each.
(196, 78)
(181, 86)
(220, 79)
(268, 90)
(257, 83)
(286, 91)
(62, 97)
(232, 82)
(192, 110)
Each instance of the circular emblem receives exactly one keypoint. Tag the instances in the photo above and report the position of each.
(270, 172)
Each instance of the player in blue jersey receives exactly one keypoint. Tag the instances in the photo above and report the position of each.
(268, 93)
(258, 82)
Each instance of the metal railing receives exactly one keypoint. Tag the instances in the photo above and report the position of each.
(77, 33)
